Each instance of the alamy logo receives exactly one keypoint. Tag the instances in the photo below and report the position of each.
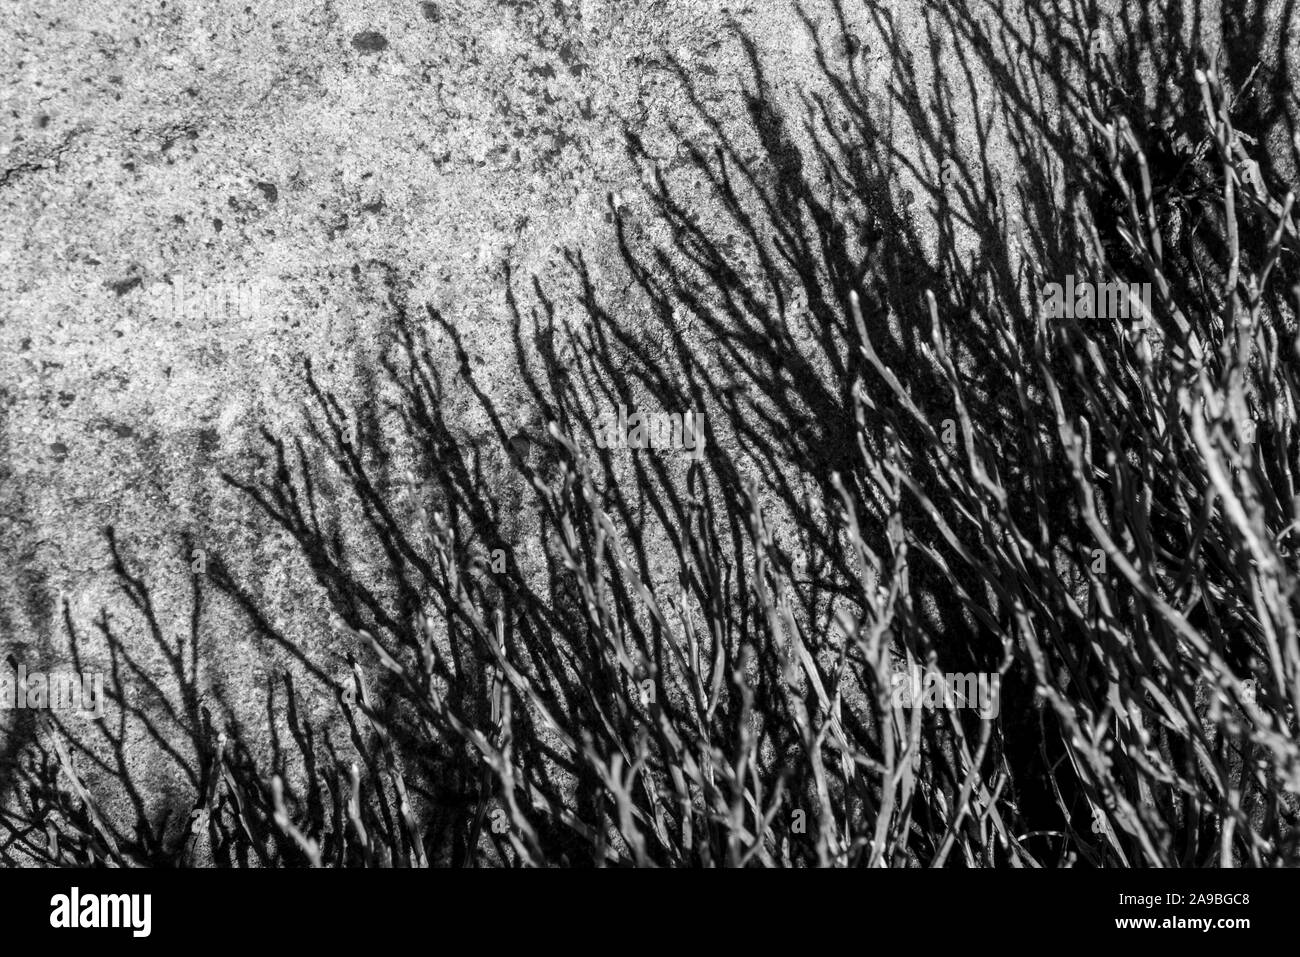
(66, 691)
(132, 911)
(187, 299)
(1103, 300)
(916, 688)
(652, 430)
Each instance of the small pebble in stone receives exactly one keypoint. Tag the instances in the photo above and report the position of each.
(368, 41)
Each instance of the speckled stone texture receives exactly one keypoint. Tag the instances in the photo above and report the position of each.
(335, 158)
